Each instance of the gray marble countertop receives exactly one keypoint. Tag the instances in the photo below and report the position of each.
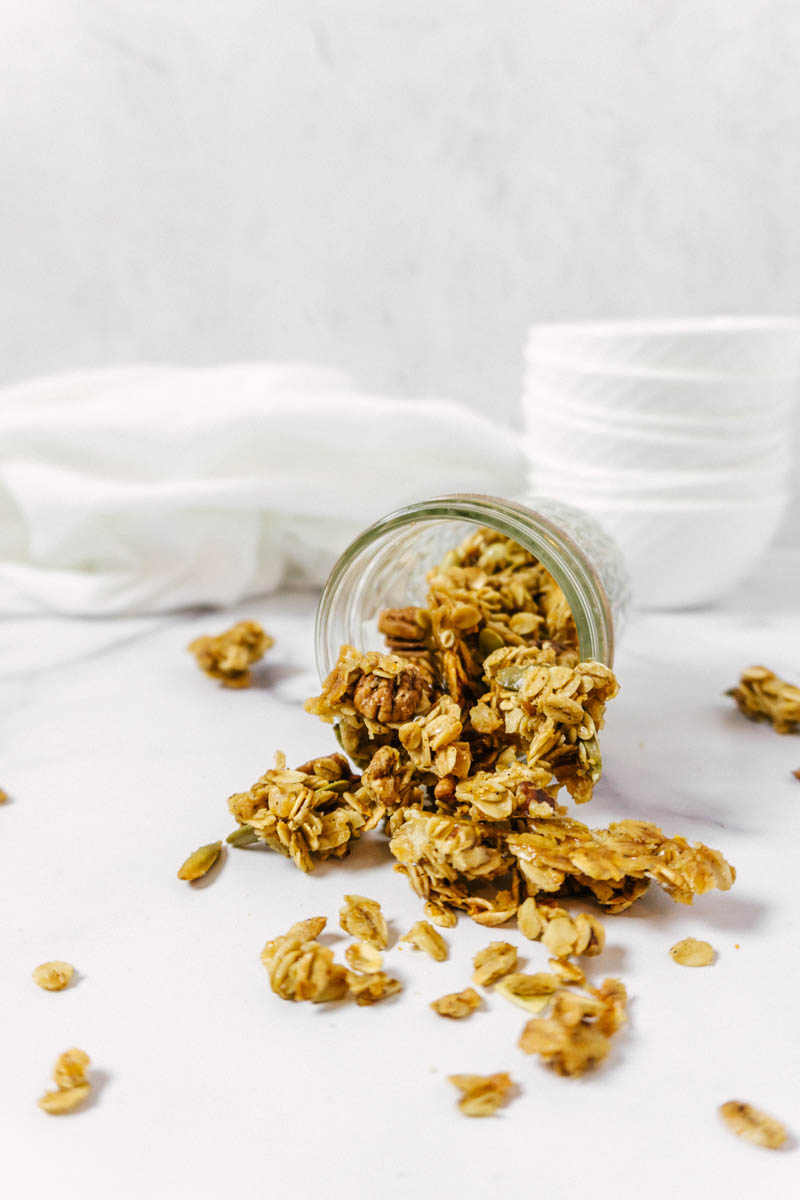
(118, 757)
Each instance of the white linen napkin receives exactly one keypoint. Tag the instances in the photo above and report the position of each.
(140, 489)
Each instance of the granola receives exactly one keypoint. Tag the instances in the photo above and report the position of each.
(753, 1125)
(3, 796)
(457, 1005)
(369, 989)
(531, 992)
(496, 960)
(53, 976)
(229, 656)
(363, 957)
(482, 1095)
(73, 1087)
(301, 968)
(200, 861)
(363, 919)
(692, 953)
(423, 936)
(761, 695)
(310, 814)
(576, 1036)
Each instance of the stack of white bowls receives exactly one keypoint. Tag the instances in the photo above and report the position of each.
(676, 435)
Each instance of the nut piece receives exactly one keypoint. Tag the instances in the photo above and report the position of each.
(229, 656)
(362, 918)
(53, 976)
(457, 1004)
(531, 992)
(73, 1086)
(498, 959)
(200, 862)
(753, 1125)
(363, 957)
(3, 796)
(692, 953)
(761, 696)
(369, 989)
(424, 937)
(482, 1094)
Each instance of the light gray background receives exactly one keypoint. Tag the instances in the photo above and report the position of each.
(394, 186)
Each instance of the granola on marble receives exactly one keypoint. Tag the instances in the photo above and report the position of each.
(576, 1035)
(361, 956)
(373, 987)
(362, 918)
(301, 968)
(457, 1005)
(491, 963)
(423, 936)
(481, 1095)
(229, 656)
(53, 976)
(761, 695)
(690, 952)
(73, 1087)
(309, 814)
(753, 1125)
(531, 992)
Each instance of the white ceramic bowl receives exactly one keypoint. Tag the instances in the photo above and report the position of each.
(762, 347)
(595, 444)
(724, 424)
(679, 397)
(574, 488)
(685, 556)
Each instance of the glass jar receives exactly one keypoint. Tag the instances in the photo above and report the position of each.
(386, 566)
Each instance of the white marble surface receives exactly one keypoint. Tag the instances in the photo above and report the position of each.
(119, 756)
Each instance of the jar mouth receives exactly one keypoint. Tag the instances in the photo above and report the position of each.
(561, 556)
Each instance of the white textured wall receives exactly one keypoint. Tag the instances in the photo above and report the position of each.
(395, 186)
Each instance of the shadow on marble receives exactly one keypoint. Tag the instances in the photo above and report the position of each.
(99, 1079)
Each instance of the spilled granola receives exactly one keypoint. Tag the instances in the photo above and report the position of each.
(482, 1095)
(692, 953)
(761, 695)
(229, 656)
(423, 936)
(72, 1085)
(457, 1005)
(753, 1125)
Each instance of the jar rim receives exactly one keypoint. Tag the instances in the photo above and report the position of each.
(562, 557)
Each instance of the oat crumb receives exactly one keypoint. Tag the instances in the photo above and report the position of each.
(753, 1125)
(53, 976)
(482, 1095)
(692, 953)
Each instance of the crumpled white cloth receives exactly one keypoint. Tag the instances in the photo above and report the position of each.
(139, 489)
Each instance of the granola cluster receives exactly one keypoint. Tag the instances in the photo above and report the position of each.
(72, 1085)
(761, 696)
(576, 1035)
(229, 656)
(301, 968)
(310, 814)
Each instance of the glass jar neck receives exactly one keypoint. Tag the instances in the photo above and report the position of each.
(386, 566)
